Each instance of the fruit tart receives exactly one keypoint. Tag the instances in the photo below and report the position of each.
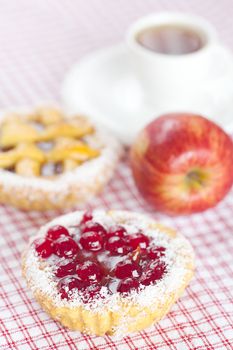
(49, 160)
(111, 272)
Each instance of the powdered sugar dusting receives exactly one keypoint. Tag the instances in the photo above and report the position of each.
(178, 251)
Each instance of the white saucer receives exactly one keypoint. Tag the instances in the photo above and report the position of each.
(103, 86)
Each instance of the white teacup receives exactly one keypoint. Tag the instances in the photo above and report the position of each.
(177, 81)
(124, 87)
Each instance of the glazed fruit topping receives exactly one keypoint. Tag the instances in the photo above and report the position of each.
(116, 231)
(89, 271)
(56, 232)
(92, 241)
(65, 268)
(127, 268)
(138, 240)
(90, 226)
(128, 285)
(65, 247)
(117, 245)
(95, 256)
(155, 252)
(44, 248)
(153, 273)
(86, 217)
(66, 285)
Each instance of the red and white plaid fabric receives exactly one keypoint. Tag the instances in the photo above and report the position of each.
(39, 40)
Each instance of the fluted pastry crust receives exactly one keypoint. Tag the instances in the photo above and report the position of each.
(128, 314)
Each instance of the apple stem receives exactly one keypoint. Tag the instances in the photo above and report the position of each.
(195, 179)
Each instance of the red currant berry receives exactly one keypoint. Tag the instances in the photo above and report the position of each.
(65, 247)
(125, 286)
(65, 268)
(138, 240)
(56, 232)
(44, 248)
(91, 226)
(66, 285)
(92, 241)
(87, 216)
(153, 273)
(89, 271)
(156, 252)
(127, 268)
(116, 231)
(117, 245)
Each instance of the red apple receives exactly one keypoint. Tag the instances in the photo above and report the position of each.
(182, 163)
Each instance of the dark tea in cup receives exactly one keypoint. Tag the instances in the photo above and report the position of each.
(170, 39)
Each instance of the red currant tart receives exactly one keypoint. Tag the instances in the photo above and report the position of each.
(111, 272)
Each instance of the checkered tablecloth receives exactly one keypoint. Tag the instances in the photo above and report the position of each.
(39, 40)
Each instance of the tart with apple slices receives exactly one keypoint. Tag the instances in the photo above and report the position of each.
(51, 160)
(111, 272)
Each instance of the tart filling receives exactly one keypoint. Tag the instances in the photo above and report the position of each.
(100, 260)
(50, 160)
(46, 143)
